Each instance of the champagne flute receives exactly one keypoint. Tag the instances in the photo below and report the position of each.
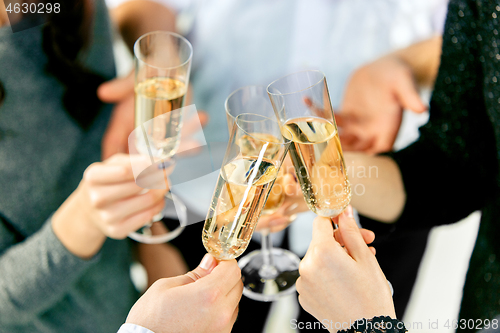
(254, 155)
(269, 273)
(302, 104)
(162, 67)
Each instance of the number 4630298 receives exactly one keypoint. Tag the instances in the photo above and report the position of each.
(33, 8)
(472, 324)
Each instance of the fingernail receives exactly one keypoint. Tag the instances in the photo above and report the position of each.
(208, 262)
(348, 211)
(292, 207)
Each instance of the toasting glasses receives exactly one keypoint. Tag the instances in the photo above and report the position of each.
(270, 273)
(302, 104)
(162, 66)
(251, 164)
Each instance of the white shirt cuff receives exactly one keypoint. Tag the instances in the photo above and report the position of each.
(132, 328)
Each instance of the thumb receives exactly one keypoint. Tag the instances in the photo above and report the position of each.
(205, 267)
(116, 89)
(408, 96)
(351, 236)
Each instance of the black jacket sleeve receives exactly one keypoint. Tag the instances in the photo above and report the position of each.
(451, 170)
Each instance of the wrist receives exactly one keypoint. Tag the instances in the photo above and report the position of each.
(422, 59)
(75, 229)
(402, 60)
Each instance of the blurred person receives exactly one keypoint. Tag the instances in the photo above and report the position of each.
(254, 42)
(194, 302)
(61, 210)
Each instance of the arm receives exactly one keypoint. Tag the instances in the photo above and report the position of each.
(38, 271)
(161, 261)
(377, 186)
(137, 17)
(424, 184)
(35, 273)
(422, 59)
(448, 173)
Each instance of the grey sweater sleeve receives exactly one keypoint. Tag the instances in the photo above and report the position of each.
(35, 273)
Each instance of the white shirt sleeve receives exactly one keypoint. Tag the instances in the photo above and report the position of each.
(439, 16)
(132, 328)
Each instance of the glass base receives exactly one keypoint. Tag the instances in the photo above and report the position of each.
(269, 283)
(173, 217)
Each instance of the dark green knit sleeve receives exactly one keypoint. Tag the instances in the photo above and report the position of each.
(35, 273)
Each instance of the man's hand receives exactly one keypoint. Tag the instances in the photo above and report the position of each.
(373, 105)
(121, 92)
(370, 115)
(204, 300)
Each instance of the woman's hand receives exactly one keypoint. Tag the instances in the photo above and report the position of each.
(107, 203)
(342, 284)
(204, 300)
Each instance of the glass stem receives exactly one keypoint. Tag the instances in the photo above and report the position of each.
(267, 247)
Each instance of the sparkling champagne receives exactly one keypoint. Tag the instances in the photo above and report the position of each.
(319, 164)
(240, 194)
(157, 110)
(251, 145)
(276, 195)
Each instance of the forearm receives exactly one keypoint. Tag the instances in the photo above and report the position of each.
(137, 17)
(161, 261)
(36, 274)
(423, 59)
(377, 186)
(75, 230)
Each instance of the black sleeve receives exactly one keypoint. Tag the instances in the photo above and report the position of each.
(451, 170)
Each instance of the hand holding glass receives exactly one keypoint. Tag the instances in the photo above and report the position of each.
(162, 66)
